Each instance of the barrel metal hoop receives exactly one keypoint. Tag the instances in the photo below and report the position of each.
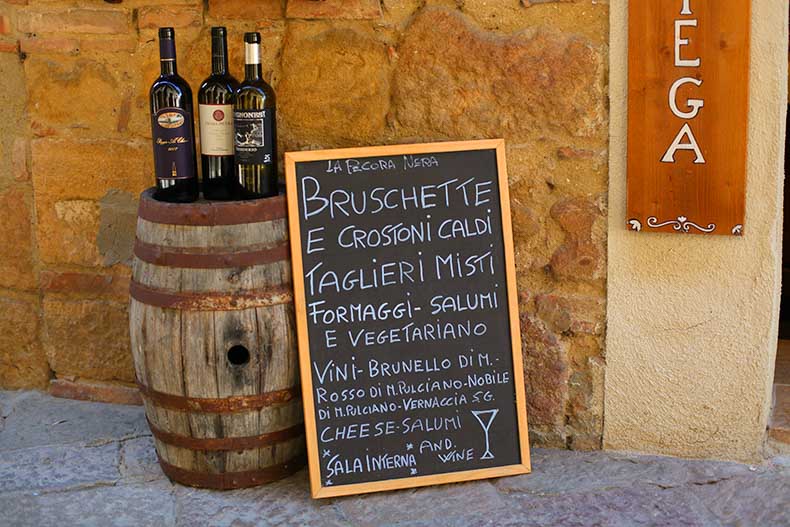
(232, 480)
(211, 300)
(226, 444)
(205, 258)
(225, 405)
(208, 214)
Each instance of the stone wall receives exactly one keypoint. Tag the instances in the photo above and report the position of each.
(75, 141)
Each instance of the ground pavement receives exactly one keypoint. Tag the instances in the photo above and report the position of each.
(66, 463)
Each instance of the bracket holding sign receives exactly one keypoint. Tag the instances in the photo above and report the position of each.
(407, 316)
(688, 89)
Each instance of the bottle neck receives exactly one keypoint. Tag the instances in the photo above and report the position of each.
(167, 56)
(252, 72)
(252, 62)
(219, 55)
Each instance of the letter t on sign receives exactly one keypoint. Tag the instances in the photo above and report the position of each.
(687, 115)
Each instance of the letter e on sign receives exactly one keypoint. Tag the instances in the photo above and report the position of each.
(688, 96)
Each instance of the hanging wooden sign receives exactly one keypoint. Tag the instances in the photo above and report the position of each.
(688, 77)
(407, 317)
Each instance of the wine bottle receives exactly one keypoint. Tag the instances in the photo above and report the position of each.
(173, 128)
(215, 107)
(255, 127)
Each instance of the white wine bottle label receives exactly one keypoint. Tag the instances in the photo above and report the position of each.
(174, 146)
(254, 136)
(216, 129)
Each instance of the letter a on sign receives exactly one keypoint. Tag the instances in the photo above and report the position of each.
(688, 95)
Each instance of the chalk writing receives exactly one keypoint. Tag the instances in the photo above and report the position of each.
(407, 313)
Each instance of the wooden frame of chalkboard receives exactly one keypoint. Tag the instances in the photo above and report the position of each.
(521, 443)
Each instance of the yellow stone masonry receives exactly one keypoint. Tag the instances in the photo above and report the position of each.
(74, 132)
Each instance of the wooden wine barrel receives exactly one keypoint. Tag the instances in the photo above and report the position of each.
(212, 333)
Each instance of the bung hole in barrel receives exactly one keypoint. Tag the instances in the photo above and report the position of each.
(238, 355)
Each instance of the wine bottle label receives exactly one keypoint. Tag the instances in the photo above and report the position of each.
(174, 146)
(254, 136)
(216, 129)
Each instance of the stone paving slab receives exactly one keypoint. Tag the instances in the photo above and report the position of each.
(444, 503)
(639, 505)
(283, 503)
(58, 467)
(761, 500)
(587, 471)
(138, 459)
(149, 505)
(36, 419)
(65, 463)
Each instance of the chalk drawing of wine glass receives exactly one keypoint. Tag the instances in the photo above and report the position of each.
(489, 415)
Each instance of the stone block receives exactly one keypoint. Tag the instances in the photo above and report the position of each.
(70, 179)
(88, 339)
(579, 257)
(55, 19)
(340, 75)
(117, 224)
(67, 231)
(5, 25)
(84, 85)
(101, 392)
(455, 81)
(152, 17)
(576, 216)
(17, 270)
(579, 314)
(9, 45)
(12, 113)
(249, 9)
(576, 261)
(546, 372)
(525, 221)
(20, 165)
(109, 44)
(49, 44)
(584, 411)
(85, 285)
(58, 467)
(589, 19)
(399, 12)
(23, 363)
(349, 9)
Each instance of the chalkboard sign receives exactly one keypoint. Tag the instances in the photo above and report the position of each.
(407, 316)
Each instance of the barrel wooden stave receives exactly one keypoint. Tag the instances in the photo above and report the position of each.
(181, 349)
(213, 237)
(230, 280)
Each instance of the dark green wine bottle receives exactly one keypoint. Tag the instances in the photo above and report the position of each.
(255, 127)
(173, 128)
(215, 99)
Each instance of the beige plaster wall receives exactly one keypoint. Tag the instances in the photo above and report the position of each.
(692, 321)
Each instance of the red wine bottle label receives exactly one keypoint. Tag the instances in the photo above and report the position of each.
(216, 129)
(174, 146)
(254, 136)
